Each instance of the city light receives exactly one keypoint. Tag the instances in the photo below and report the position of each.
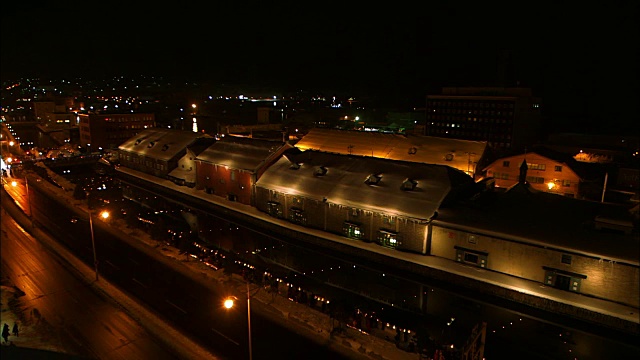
(228, 303)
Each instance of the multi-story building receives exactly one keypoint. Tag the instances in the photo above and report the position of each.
(507, 118)
(108, 131)
(58, 111)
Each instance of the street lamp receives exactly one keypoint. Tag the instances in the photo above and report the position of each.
(26, 184)
(229, 302)
(104, 215)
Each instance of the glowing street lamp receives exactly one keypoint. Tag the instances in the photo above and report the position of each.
(104, 215)
(229, 302)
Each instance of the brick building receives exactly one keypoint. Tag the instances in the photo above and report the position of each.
(231, 167)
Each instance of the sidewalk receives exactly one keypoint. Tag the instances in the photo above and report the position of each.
(33, 334)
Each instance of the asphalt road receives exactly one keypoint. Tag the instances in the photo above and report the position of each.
(193, 309)
(87, 324)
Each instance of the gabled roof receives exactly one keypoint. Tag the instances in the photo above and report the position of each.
(345, 182)
(415, 148)
(241, 153)
(529, 156)
(159, 143)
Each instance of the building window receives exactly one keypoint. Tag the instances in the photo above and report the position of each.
(352, 230)
(558, 168)
(505, 163)
(474, 257)
(540, 167)
(563, 280)
(566, 259)
(471, 258)
(297, 201)
(233, 175)
(274, 209)
(388, 239)
(409, 185)
(566, 183)
(535, 180)
(388, 220)
(297, 216)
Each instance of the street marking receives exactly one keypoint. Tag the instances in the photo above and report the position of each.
(225, 336)
(141, 284)
(175, 306)
(109, 262)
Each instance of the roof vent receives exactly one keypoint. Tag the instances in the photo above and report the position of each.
(409, 185)
(151, 143)
(138, 141)
(294, 166)
(448, 157)
(320, 171)
(165, 147)
(373, 179)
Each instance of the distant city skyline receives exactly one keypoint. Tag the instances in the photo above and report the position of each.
(581, 61)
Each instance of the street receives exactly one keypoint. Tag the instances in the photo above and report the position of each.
(78, 320)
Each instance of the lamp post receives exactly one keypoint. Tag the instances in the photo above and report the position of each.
(104, 215)
(26, 184)
(229, 302)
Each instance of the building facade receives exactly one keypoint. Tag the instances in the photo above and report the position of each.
(506, 118)
(159, 151)
(108, 131)
(543, 174)
(464, 155)
(231, 167)
(369, 199)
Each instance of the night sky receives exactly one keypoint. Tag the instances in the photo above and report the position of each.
(583, 61)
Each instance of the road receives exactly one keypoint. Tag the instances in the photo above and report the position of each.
(189, 306)
(88, 325)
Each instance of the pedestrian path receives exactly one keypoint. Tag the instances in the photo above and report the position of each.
(33, 333)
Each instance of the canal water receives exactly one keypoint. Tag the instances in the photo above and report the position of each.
(365, 296)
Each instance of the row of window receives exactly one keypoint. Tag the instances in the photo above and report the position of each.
(469, 112)
(539, 167)
(130, 119)
(472, 104)
(384, 237)
(558, 278)
(473, 126)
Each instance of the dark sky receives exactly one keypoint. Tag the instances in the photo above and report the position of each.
(582, 60)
